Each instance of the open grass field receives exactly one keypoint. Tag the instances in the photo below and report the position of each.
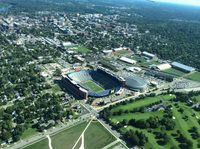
(97, 137)
(194, 76)
(81, 49)
(54, 89)
(142, 62)
(144, 102)
(139, 59)
(174, 72)
(63, 140)
(66, 139)
(181, 124)
(29, 132)
(93, 86)
(122, 53)
(39, 145)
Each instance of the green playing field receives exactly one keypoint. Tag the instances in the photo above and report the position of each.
(93, 86)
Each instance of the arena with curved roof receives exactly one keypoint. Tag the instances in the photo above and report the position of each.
(93, 83)
(136, 83)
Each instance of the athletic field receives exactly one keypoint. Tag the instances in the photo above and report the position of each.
(91, 85)
(81, 49)
(175, 72)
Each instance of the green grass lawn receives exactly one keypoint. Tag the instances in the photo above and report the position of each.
(39, 145)
(184, 125)
(93, 86)
(152, 142)
(63, 140)
(81, 49)
(56, 88)
(175, 72)
(181, 124)
(139, 59)
(194, 76)
(66, 139)
(136, 116)
(97, 137)
(197, 98)
(28, 132)
(122, 53)
(78, 145)
(141, 103)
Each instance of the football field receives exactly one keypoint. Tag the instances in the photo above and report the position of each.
(93, 86)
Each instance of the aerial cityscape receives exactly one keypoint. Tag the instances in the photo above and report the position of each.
(99, 74)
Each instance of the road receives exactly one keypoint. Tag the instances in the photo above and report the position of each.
(118, 101)
(108, 127)
(53, 131)
(93, 112)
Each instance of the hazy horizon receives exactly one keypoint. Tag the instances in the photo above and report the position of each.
(182, 2)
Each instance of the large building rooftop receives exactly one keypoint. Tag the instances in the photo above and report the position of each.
(136, 83)
(183, 67)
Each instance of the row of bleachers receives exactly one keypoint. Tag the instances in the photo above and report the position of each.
(81, 76)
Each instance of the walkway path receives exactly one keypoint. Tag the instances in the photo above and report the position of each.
(111, 144)
(50, 145)
(82, 134)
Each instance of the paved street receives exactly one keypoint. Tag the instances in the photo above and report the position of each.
(92, 112)
(50, 132)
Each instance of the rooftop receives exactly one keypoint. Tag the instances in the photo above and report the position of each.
(182, 66)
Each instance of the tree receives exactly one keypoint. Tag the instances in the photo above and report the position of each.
(57, 72)
(16, 138)
(6, 135)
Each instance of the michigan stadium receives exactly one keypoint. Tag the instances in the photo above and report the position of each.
(92, 83)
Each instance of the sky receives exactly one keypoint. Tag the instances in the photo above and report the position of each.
(185, 2)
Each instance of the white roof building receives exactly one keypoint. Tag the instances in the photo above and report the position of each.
(128, 60)
(163, 66)
(67, 44)
(107, 51)
(134, 69)
(148, 54)
(120, 49)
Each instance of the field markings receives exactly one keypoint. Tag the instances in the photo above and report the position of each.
(92, 85)
(82, 134)
(50, 145)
